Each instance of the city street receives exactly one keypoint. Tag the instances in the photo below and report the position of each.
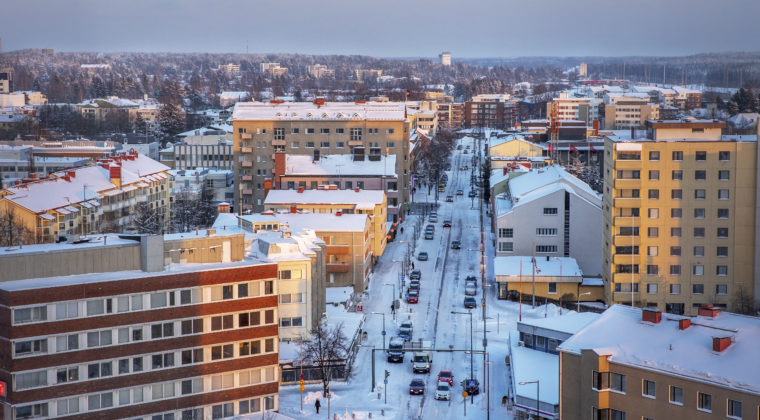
(442, 291)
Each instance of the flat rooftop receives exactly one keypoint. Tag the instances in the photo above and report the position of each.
(329, 111)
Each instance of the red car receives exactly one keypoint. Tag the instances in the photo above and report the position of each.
(446, 376)
(413, 296)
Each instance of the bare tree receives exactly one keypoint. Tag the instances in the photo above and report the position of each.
(12, 229)
(326, 349)
(147, 219)
(744, 303)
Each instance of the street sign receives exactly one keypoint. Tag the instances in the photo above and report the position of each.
(383, 332)
(302, 388)
(385, 381)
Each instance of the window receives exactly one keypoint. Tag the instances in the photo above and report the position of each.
(700, 156)
(698, 289)
(547, 249)
(721, 289)
(699, 270)
(675, 232)
(506, 246)
(32, 411)
(721, 270)
(699, 194)
(291, 322)
(676, 213)
(677, 155)
(723, 175)
(294, 131)
(66, 310)
(279, 134)
(700, 175)
(699, 232)
(221, 322)
(676, 395)
(675, 251)
(99, 370)
(653, 232)
(137, 364)
(162, 330)
(192, 326)
(677, 175)
(309, 131)
(505, 232)
(699, 251)
(723, 156)
(675, 289)
(67, 342)
(69, 374)
(222, 410)
(699, 213)
(324, 131)
(652, 288)
(652, 270)
(552, 287)
(734, 409)
(356, 134)
(676, 194)
(617, 382)
(654, 213)
(164, 390)
(222, 352)
(675, 270)
(652, 251)
(339, 131)
(550, 211)
(67, 406)
(192, 356)
(722, 213)
(654, 156)
(34, 314)
(137, 302)
(654, 175)
(722, 251)
(99, 338)
(654, 194)
(545, 232)
(158, 300)
(325, 144)
(165, 360)
(309, 144)
(649, 388)
(191, 386)
(340, 144)
(291, 298)
(31, 379)
(722, 195)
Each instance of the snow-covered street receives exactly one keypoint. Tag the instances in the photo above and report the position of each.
(442, 291)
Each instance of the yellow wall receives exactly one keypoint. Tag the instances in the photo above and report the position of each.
(516, 148)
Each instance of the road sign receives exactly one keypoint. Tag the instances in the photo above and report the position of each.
(385, 381)
(465, 394)
(359, 308)
(383, 332)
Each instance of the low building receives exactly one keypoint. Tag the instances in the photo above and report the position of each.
(514, 145)
(356, 201)
(207, 147)
(218, 184)
(556, 278)
(227, 99)
(176, 326)
(550, 213)
(19, 162)
(644, 364)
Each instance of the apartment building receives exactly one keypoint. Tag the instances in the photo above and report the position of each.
(679, 217)
(314, 129)
(548, 212)
(364, 75)
(332, 200)
(491, 110)
(348, 240)
(231, 69)
(636, 363)
(273, 69)
(106, 329)
(7, 80)
(624, 111)
(450, 115)
(445, 58)
(208, 147)
(89, 199)
(319, 71)
(229, 98)
(568, 108)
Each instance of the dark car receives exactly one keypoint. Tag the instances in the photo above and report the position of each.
(466, 151)
(459, 147)
(470, 277)
(460, 192)
(416, 275)
(417, 387)
(472, 194)
(414, 285)
(469, 302)
(455, 244)
(449, 198)
(447, 223)
(422, 256)
(471, 386)
(414, 296)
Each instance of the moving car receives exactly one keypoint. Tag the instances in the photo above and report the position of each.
(472, 194)
(471, 386)
(460, 192)
(416, 275)
(466, 151)
(471, 277)
(464, 168)
(456, 244)
(405, 330)
(447, 223)
(469, 302)
(422, 256)
(433, 217)
(449, 198)
(396, 350)
(443, 391)
(428, 235)
(446, 376)
(417, 387)
(459, 147)
(421, 362)
(470, 287)
(414, 285)
(414, 296)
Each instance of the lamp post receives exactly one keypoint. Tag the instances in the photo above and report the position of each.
(537, 394)
(383, 314)
(578, 308)
(394, 296)
(472, 354)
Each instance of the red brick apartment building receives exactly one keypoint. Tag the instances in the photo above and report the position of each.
(133, 339)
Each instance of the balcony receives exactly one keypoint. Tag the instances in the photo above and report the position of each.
(337, 267)
(247, 178)
(246, 164)
(627, 221)
(627, 183)
(247, 192)
(628, 202)
(278, 143)
(337, 250)
(624, 164)
(625, 278)
(246, 136)
(355, 143)
(626, 296)
(246, 150)
(626, 258)
(621, 240)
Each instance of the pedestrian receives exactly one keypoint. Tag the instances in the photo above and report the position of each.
(317, 405)
(402, 230)
(393, 308)
(412, 265)
(504, 400)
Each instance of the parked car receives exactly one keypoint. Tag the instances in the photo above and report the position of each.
(470, 288)
(416, 275)
(466, 151)
(471, 386)
(449, 198)
(413, 296)
(469, 302)
(429, 235)
(417, 387)
(422, 256)
(446, 376)
(405, 330)
(464, 168)
(471, 277)
(443, 391)
(456, 244)
(414, 285)
(460, 192)
(472, 194)
(430, 228)
(433, 217)
(447, 223)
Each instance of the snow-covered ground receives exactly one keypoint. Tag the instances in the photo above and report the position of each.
(442, 291)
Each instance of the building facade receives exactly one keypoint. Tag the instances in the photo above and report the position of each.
(492, 111)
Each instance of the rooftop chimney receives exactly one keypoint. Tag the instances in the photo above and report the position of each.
(357, 189)
(504, 170)
(339, 213)
(72, 174)
(223, 208)
(721, 343)
(651, 315)
(708, 311)
(684, 323)
(293, 209)
(279, 168)
(300, 190)
(115, 172)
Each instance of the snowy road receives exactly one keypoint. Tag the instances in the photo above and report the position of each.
(442, 291)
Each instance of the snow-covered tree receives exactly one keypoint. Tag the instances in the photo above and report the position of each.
(183, 212)
(170, 122)
(327, 349)
(147, 219)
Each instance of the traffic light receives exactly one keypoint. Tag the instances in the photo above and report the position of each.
(387, 374)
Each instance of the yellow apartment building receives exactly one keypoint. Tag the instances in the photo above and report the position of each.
(680, 218)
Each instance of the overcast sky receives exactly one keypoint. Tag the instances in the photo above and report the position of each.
(388, 28)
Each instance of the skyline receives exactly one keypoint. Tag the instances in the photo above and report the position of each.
(485, 28)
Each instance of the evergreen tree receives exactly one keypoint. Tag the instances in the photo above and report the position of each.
(170, 122)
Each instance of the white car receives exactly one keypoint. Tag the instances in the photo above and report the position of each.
(443, 391)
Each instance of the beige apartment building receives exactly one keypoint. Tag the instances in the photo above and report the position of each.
(680, 218)
(314, 129)
(643, 364)
(624, 112)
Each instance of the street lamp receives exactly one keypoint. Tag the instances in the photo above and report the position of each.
(472, 354)
(578, 309)
(383, 314)
(538, 415)
(394, 290)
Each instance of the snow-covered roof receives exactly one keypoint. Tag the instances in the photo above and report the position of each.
(234, 95)
(343, 165)
(570, 322)
(363, 198)
(338, 294)
(267, 415)
(536, 179)
(329, 111)
(621, 335)
(326, 222)
(533, 365)
(554, 267)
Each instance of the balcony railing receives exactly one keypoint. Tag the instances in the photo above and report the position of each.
(337, 267)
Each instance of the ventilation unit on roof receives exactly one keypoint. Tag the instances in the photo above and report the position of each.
(651, 315)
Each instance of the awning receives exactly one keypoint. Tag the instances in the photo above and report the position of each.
(47, 216)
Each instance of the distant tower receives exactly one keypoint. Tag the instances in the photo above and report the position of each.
(6, 80)
(584, 70)
(445, 58)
